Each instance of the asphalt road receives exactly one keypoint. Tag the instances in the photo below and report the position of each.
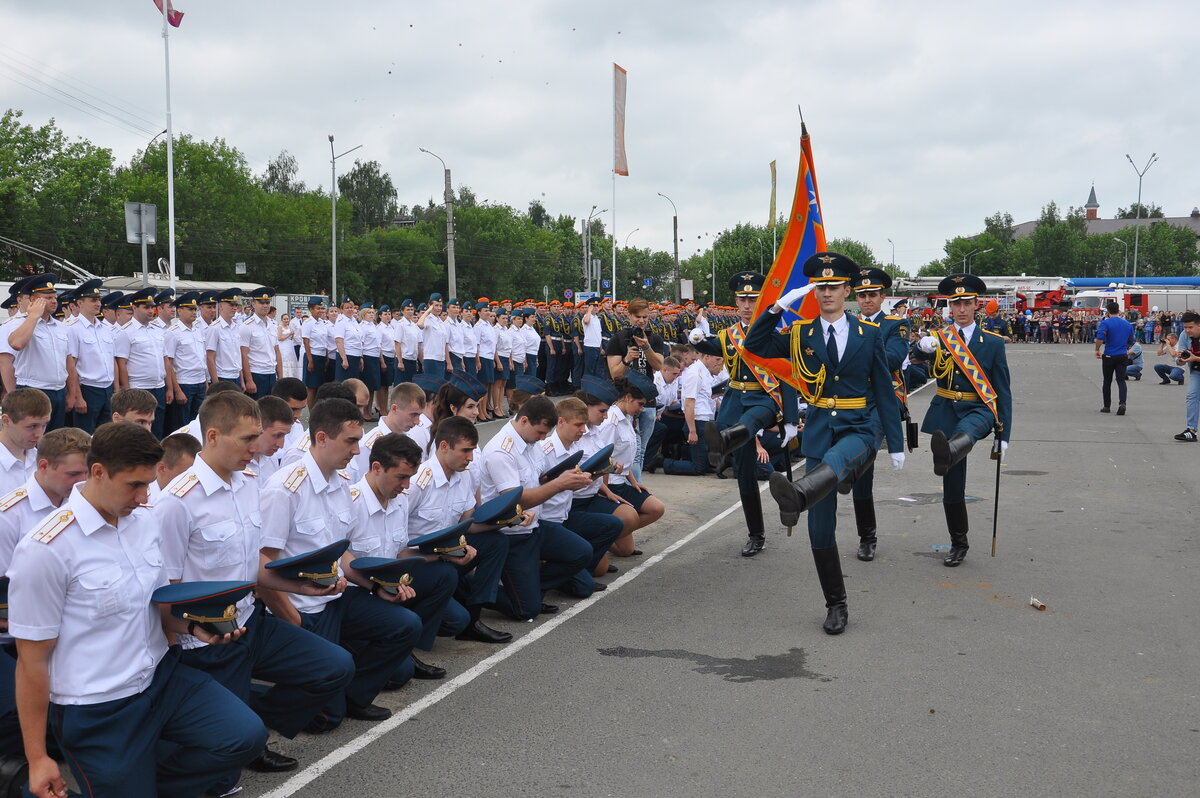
(702, 673)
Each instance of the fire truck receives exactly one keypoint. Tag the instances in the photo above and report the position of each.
(1143, 299)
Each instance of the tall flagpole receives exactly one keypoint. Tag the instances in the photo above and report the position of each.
(170, 151)
(614, 236)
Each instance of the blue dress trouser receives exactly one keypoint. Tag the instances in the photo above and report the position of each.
(561, 553)
(697, 462)
(843, 457)
(99, 408)
(11, 744)
(263, 383)
(479, 580)
(111, 747)
(383, 635)
(601, 531)
(160, 412)
(977, 425)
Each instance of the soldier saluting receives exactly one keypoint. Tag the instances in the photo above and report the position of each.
(839, 366)
(973, 399)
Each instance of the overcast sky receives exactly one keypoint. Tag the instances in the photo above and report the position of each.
(925, 116)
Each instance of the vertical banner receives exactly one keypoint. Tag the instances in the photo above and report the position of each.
(771, 220)
(620, 163)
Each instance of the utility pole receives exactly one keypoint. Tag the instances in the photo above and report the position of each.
(675, 231)
(451, 277)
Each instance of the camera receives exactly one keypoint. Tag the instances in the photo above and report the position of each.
(637, 332)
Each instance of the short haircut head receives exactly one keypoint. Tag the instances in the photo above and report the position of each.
(572, 409)
(455, 430)
(405, 394)
(290, 388)
(223, 386)
(177, 447)
(26, 403)
(394, 448)
(1190, 316)
(223, 411)
(134, 400)
(274, 410)
(329, 415)
(336, 390)
(539, 410)
(1112, 307)
(60, 443)
(355, 385)
(123, 445)
(672, 362)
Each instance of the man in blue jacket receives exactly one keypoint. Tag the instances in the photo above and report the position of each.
(1115, 337)
(973, 400)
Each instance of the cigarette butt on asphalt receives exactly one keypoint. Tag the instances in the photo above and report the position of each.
(1035, 603)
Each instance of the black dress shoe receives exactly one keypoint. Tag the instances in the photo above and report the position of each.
(1105, 410)
(423, 670)
(599, 586)
(635, 553)
(481, 632)
(320, 725)
(866, 549)
(754, 544)
(273, 762)
(548, 609)
(612, 569)
(372, 712)
(955, 557)
(1120, 410)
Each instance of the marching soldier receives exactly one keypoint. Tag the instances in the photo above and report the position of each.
(973, 399)
(838, 361)
(754, 401)
(869, 287)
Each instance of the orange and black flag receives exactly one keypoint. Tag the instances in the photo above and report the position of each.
(804, 237)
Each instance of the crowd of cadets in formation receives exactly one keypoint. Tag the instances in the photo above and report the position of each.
(1062, 326)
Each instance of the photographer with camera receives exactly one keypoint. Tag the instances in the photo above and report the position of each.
(634, 348)
(1189, 358)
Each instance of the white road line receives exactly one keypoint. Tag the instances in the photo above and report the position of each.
(344, 752)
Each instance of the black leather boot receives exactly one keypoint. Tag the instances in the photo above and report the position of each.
(829, 571)
(755, 532)
(721, 442)
(864, 517)
(847, 485)
(794, 498)
(948, 452)
(956, 523)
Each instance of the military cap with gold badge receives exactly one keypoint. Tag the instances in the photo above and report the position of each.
(962, 286)
(872, 279)
(210, 605)
(746, 283)
(830, 267)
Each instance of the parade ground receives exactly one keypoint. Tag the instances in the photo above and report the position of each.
(703, 673)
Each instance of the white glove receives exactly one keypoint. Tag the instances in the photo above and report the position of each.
(897, 461)
(928, 344)
(794, 296)
(1003, 450)
(790, 431)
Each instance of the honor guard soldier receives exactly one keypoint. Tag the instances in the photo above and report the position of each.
(212, 531)
(90, 348)
(313, 336)
(974, 399)
(307, 508)
(381, 531)
(223, 341)
(260, 345)
(839, 363)
(94, 660)
(39, 347)
(183, 346)
(138, 352)
(869, 287)
(754, 401)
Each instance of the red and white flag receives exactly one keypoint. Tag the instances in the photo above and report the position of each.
(620, 162)
(173, 17)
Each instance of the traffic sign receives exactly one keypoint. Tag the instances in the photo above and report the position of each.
(568, 294)
(606, 284)
(648, 282)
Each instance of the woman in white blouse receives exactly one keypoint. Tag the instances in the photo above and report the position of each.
(503, 361)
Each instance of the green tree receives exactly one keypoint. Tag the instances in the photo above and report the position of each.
(1150, 211)
(371, 194)
(280, 175)
(859, 252)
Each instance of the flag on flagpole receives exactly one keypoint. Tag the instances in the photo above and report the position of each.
(620, 163)
(173, 17)
(771, 219)
(804, 237)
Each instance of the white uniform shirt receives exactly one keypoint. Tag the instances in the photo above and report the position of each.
(516, 343)
(697, 384)
(436, 501)
(314, 331)
(503, 342)
(591, 331)
(78, 580)
(20, 511)
(296, 326)
(348, 329)
(410, 336)
(485, 334)
(260, 338)
(142, 347)
(185, 346)
(454, 336)
(420, 433)
(224, 338)
(211, 532)
(301, 512)
(624, 439)
(378, 531)
(387, 339)
(191, 428)
(434, 336)
(371, 339)
(594, 439)
(532, 340)
(14, 471)
(470, 339)
(43, 361)
(361, 463)
(668, 393)
(507, 463)
(92, 346)
(551, 452)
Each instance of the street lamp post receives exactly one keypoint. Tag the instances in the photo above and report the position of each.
(451, 278)
(893, 254)
(675, 229)
(333, 294)
(1137, 230)
(1122, 243)
(631, 232)
(967, 259)
(589, 275)
(760, 255)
